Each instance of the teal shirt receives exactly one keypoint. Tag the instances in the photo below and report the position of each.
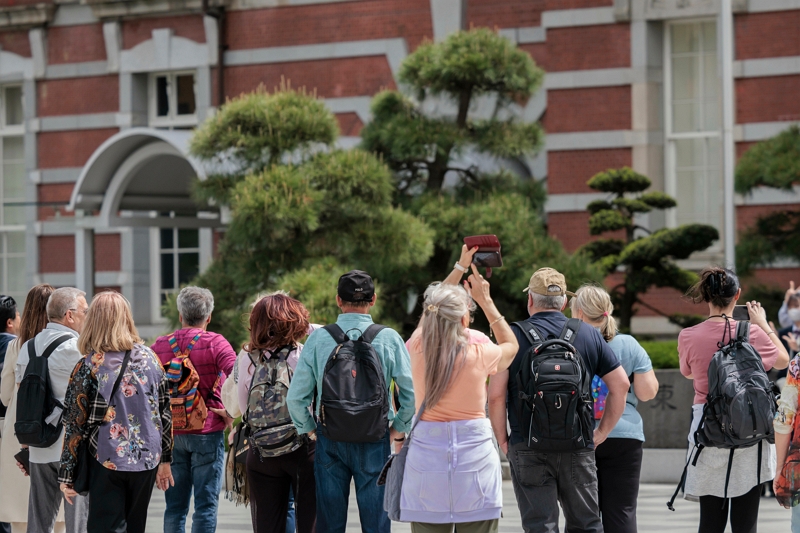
(394, 358)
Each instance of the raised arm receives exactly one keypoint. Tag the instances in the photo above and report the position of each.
(478, 288)
(498, 389)
(454, 278)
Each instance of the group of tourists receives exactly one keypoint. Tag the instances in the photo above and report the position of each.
(96, 418)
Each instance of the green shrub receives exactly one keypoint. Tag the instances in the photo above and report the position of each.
(663, 354)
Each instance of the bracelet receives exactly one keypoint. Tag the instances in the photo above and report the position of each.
(771, 332)
(497, 320)
(400, 440)
(457, 266)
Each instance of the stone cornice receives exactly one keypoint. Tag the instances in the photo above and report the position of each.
(23, 17)
(117, 9)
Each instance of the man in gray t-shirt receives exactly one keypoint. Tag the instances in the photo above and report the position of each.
(66, 311)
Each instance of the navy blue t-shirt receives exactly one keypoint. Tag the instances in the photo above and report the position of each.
(597, 355)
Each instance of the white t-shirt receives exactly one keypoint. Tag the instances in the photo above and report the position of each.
(60, 364)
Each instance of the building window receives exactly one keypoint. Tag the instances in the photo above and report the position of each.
(172, 100)
(692, 96)
(12, 194)
(180, 258)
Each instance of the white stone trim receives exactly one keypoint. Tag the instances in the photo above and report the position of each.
(112, 36)
(568, 18)
(394, 49)
(360, 105)
(241, 5)
(14, 67)
(211, 28)
(537, 105)
(38, 40)
(607, 77)
(562, 203)
(164, 52)
(769, 196)
(447, 17)
(761, 6)
(771, 66)
(592, 140)
(758, 131)
(76, 70)
(89, 121)
(526, 35)
(73, 15)
(56, 175)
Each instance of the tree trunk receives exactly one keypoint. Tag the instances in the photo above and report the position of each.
(628, 300)
(438, 169)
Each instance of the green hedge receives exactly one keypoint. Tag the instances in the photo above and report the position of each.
(663, 354)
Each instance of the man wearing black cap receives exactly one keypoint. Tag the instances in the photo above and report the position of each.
(337, 462)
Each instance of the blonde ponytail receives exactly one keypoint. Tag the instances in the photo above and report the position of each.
(595, 304)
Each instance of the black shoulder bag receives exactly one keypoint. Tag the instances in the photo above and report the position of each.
(80, 482)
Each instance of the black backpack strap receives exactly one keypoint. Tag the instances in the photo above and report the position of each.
(682, 482)
(570, 330)
(743, 331)
(728, 473)
(122, 369)
(371, 332)
(50, 347)
(530, 332)
(336, 332)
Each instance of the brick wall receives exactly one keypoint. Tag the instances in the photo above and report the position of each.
(576, 4)
(187, 26)
(773, 277)
(76, 96)
(568, 171)
(771, 34)
(349, 124)
(668, 301)
(16, 42)
(56, 254)
(747, 215)
(504, 13)
(742, 147)
(75, 44)
(591, 109)
(572, 229)
(329, 23)
(69, 148)
(587, 47)
(768, 99)
(331, 78)
(54, 192)
(107, 252)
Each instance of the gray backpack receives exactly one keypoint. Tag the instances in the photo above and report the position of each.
(269, 424)
(741, 402)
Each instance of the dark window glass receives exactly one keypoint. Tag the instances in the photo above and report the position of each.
(166, 239)
(167, 271)
(188, 267)
(188, 238)
(186, 94)
(162, 97)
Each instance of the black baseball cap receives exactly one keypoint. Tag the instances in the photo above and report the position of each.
(356, 286)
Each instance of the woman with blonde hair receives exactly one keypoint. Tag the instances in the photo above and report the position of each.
(15, 485)
(619, 457)
(118, 401)
(452, 473)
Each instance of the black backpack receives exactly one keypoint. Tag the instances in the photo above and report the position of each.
(741, 402)
(354, 404)
(554, 406)
(35, 401)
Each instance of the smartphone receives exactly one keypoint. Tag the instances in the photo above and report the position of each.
(740, 313)
(488, 254)
(24, 458)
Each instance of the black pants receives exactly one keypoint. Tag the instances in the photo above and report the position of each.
(541, 480)
(269, 480)
(619, 464)
(743, 510)
(119, 499)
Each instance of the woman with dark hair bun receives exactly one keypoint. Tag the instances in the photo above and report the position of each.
(278, 458)
(706, 480)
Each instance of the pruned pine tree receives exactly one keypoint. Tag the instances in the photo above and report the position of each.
(774, 163)
(645, 259)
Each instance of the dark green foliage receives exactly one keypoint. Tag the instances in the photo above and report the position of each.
(646, 260)
(663, 354)
(619, 181)
(422, 149)
(772, 163)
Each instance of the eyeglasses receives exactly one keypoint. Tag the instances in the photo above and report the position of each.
(82, 311)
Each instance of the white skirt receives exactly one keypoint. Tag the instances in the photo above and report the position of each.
(708, 477)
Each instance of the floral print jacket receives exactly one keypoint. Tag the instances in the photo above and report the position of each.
(131, 431)
(786, 422)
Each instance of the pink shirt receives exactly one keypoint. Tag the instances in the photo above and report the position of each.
(698, 344)
(211, 355)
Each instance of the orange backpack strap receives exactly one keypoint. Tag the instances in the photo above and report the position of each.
(174, 369)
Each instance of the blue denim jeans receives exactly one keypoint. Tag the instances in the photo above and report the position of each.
(290, 517)
(796, 519)
(335, 465)
(197, 463)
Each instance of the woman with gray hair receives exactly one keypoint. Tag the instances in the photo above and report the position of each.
(452, 473)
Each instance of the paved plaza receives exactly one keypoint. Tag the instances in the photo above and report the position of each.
(653, 514)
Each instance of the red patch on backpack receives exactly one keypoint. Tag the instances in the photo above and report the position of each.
(354, 373)
(558, 367)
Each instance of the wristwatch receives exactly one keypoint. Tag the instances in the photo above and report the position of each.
(459, 267)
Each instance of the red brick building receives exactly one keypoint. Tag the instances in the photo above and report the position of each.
(96, 97)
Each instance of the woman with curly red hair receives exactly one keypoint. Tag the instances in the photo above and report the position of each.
(278, 458)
